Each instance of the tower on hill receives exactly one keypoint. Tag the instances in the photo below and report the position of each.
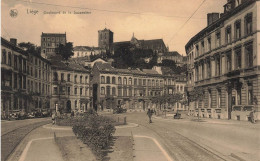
(105, 39)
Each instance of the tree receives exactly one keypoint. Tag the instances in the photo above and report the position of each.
(30, 48)
(175, 98)
(66, 51)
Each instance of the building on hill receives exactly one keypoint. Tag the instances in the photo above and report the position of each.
(174, 56)
(224, 61)
(156, 45)
(86, 51)
(51, 41)
(105, 39)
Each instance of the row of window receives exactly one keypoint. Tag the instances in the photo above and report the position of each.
(55, 78)
(236, 98)
(126, 92)
(38, 87)
(140, 82)
(39, 62)
(37, 73)
(206, 45)
(15, 81)
(222, 65)
(51, 44)
(52, 39)
(47, 50)
(64, 90)
(18, 62)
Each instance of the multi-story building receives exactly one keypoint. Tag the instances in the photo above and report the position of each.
(86, 51)
(156, 45)
(226, 62)
(174, 56)
(51, 41)
(105, 39)
(71, 88)
(173, 83)
(38, 82)
(13, 77)
(132, 88)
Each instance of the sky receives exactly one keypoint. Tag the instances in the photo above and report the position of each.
(147, 19)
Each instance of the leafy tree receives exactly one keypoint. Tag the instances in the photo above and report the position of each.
(129, 56)
(196, 94)
(175, 98)
(30, 48)
(66, 51)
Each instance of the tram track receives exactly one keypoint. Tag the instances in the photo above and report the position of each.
(181, 147)
(11, 139)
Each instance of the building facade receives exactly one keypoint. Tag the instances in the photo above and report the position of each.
(51, 41)
(86, 51)
(71, 88)
(14, 94)
(133, 89)
(38, 82)
(224, 61)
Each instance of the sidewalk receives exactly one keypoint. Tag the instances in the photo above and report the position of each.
(145, 146)
(208, 120)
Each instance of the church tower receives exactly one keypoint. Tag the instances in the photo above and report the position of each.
(105, 39)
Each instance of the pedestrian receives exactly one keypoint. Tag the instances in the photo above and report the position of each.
(150, 113)
(53, 117)
(252, 115)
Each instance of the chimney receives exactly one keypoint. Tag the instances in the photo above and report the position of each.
(13, 41)
(212, 17)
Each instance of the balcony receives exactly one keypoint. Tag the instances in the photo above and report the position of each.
(233, 73)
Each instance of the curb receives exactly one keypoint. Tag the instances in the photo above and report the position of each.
(129, 125)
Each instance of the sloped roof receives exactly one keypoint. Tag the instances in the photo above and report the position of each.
(150, 71)
(154, 42)
(57, 62)
(172, 53)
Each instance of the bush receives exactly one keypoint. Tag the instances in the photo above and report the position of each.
(94, 130)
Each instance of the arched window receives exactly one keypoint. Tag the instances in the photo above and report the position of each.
(3, 56)
(113, 80)
(108, 80)
(125, 81)
(130, 81)
(102, 79)
(119, 80)
(113, 91)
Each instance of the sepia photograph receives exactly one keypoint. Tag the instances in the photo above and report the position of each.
(130, 80)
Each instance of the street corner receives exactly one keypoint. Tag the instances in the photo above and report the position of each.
(147, 148)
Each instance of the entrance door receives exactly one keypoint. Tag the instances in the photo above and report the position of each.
(68, 107)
